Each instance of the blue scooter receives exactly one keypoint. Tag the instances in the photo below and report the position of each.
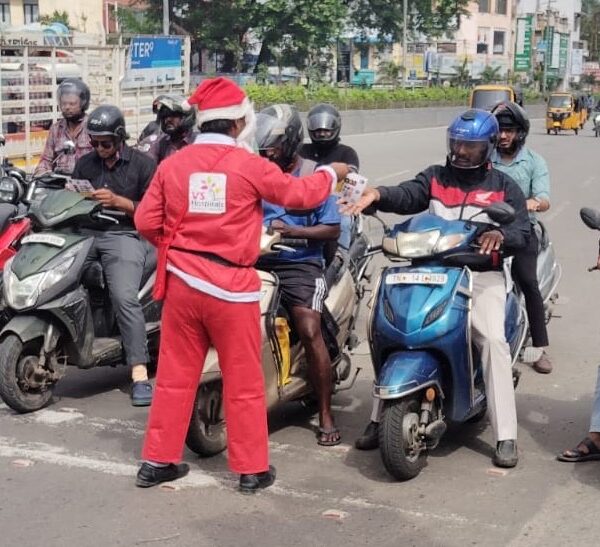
(427, 372)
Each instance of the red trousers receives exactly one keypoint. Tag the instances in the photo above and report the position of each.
(192, 321)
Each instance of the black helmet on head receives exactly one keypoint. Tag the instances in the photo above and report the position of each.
(77, 88)
(169, 105)
(107, 120)
(324, 117)
(512, 116)
(279, 127)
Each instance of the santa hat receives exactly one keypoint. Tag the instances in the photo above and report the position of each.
(218, 99)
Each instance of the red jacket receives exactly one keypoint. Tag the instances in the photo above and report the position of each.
(216, 188)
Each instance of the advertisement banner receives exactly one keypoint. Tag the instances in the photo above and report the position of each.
(563, 54)
(153, 61)
(577, 62)
(523, 44)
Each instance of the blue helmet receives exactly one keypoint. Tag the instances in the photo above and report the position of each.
(471, 139)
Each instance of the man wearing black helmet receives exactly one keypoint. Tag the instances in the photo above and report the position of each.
(121, 176)
(530, 172)
(73, 100)
(324, 124)
(301, 274)
(176, 126)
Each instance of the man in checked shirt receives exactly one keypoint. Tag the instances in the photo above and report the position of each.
(73, 99)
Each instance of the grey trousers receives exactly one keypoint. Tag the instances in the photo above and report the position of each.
(488, 311)
(487, 323)
(123, 255)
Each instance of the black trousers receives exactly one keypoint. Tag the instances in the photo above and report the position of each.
(524, 272)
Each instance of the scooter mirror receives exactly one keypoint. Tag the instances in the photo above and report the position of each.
(69, 147)
(590, 217)
(500, 212)
(2, 140)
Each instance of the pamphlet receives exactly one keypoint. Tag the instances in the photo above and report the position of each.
(80, 185)
(352, 187)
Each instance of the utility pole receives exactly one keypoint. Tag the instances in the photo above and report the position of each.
(404, 41)
(166, 17)
(547, 52)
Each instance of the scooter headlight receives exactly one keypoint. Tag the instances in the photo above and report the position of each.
(24, 293)
(411, 244)
(21, 294)
(445, 243)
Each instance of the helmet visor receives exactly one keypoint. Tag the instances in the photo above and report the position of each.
(468, 154)
(322, 120)
(270, 132)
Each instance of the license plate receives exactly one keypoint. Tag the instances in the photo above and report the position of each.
(48, 239)
(556, 124)
(416, 278)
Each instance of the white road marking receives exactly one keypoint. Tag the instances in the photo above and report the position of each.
(393, 175)
(55, 417)
(554, 212)
(588, 181)
(46, 453)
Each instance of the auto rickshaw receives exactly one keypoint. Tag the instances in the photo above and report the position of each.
(565, 111)
(486, 97)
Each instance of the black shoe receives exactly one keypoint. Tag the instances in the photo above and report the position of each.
(506, 454)
(251, 483)
(149, 475)
(369, 440)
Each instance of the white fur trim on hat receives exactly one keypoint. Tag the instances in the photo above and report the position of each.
(233, 112)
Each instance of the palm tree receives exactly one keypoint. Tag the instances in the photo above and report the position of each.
(490, 74)
(390, 72)
(462, 77)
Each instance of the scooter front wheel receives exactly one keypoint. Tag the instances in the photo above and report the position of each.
(402, 450)
(207, 434)
(23, 386)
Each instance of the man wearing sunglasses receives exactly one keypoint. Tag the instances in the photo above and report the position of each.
(120, 176)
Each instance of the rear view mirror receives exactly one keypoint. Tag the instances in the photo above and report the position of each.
(590, 217)
(500, 212)
(69, 147)
(2, 140)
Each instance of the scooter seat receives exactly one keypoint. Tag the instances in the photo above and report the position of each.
(93, 276)
(542, 236)
(7, 211)
(333, 270)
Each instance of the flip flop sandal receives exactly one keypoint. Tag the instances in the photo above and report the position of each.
(323, 431)
(575, 455)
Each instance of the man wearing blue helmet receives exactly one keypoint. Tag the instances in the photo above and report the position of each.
(462, 188)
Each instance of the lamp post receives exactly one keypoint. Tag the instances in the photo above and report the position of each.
(166, 24)
(404, 40)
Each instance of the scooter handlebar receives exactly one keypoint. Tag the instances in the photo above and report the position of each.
(294, 242)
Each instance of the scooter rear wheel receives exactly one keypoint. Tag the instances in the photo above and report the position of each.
(207, 434)
(19, 388)
(399, 443)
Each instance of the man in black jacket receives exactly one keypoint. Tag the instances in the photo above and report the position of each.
(465, 186)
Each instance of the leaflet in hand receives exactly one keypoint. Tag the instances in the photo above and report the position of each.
(352, 187)
(80, 185)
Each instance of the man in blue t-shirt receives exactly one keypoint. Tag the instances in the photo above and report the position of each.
(301, 273)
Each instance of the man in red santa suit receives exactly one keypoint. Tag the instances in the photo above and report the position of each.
(203, 212)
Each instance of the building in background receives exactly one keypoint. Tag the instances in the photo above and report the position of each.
(84, 15)
(556, 47)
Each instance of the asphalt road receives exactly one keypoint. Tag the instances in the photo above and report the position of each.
(66, 472)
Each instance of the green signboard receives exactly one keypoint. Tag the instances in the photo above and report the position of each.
(523, 44)
(563, 55)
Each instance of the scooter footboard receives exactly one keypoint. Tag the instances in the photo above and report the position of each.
(405, 372)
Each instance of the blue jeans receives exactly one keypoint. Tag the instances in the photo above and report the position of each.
(595, 421)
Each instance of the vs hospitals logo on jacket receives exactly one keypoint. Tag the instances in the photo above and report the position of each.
(207, 192)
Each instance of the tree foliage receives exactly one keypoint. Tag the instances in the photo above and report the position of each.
(294, 32)
(386, 17)
(56, 17)
(590, 27)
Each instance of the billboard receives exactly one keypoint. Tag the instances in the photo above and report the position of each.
(523, 44)
(153, 61)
